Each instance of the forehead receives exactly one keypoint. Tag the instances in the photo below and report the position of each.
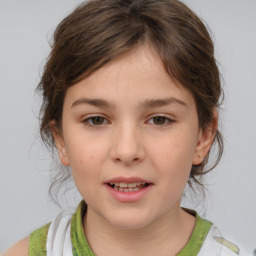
(133, 76)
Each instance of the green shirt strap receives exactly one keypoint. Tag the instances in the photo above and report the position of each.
(37, 241)
(197, 238)
(79, 242)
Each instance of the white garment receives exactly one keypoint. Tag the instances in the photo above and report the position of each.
(212, 248)
(59, 236)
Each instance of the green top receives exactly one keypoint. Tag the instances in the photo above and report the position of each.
(197, 238)
(38, 238)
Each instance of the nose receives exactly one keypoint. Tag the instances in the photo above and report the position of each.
(127, 145)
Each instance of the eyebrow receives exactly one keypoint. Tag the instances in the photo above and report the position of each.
(145, 104)
(162, 102)
(92, 102)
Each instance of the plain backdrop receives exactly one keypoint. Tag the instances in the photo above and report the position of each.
(25, 31)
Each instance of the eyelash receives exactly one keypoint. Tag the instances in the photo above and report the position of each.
(167, 120)
(89, 121)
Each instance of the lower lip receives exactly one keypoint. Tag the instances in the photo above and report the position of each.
(128, 197)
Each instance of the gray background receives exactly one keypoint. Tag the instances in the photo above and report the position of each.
(25, 28)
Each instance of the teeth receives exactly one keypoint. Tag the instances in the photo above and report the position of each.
(126, 189)
(123, 185)
(127, 185)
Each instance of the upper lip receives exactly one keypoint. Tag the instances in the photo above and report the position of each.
(127, 180)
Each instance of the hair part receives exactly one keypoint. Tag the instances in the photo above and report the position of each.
(99, 31)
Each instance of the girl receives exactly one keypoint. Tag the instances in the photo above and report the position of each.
(130, 101)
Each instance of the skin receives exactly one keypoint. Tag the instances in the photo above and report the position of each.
(19, 249)
(128, 140)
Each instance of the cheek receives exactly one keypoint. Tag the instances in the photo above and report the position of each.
(179, 149)
(85, 163)
(173, 167)
(85, 157)
(173, 158)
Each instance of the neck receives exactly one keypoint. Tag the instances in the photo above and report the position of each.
(165, 236)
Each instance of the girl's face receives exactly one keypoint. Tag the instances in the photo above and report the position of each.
(129, 123)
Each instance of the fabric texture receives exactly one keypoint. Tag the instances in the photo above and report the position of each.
(197, 238)
(37, 241)
(79, 242)
(65, 236)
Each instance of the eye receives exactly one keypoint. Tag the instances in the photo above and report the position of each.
(160, 120)
(95, 121)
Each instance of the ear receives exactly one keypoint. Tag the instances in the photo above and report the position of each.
(60, 145)
(205, 140)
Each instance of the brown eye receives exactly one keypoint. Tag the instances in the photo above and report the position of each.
(97, 120)
(159, 120)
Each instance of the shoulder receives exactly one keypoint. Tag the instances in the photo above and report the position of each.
(35, 244)
(37, 241)
(18, 249)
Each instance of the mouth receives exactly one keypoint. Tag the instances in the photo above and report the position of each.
(128, 190)
(128, 187)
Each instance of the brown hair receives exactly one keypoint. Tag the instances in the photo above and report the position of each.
(98, 31)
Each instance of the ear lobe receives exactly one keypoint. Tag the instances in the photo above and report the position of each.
(205, 140)
(60, 145)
